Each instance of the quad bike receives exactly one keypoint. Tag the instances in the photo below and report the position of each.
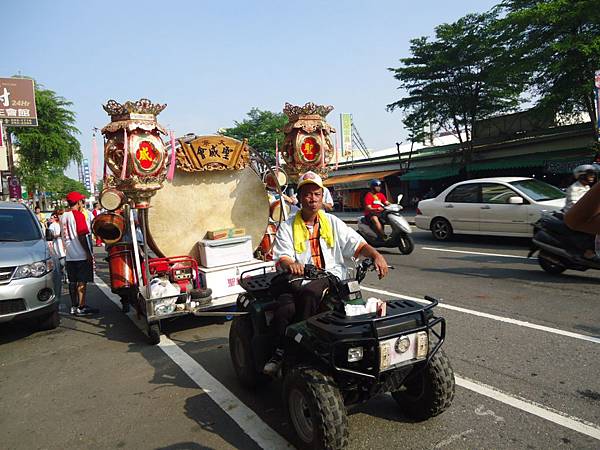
(332, 360)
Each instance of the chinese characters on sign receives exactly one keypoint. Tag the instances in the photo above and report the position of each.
(17, 102)
(211, 153)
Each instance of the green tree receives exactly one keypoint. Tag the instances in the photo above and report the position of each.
(461, 76)
(261, 128)
(59, 185)
(561, 41)
(50, 147)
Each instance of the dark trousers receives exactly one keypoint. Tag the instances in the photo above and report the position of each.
(298, 303)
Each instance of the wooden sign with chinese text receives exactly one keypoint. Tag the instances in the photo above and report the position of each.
(212, 153)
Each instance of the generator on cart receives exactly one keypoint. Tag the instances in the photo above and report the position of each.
(183, 220)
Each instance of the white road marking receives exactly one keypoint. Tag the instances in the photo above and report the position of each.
(249, 422)
(521, 323)
(474, 253)
(454, 437)
(552, 415)
(482, 411)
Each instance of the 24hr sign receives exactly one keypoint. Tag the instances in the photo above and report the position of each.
(17, 102)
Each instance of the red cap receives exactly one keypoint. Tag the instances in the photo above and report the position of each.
(74, 197)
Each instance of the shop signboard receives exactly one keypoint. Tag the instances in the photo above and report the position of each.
(14, 187)
(346, 133)
(17, 102)
(3, 151)
(597, 84)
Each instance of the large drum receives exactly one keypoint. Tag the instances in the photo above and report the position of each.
(184, 210)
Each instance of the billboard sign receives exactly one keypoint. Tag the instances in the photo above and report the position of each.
(597, 84)
(346, 133)
(17, 102)
(14, 188)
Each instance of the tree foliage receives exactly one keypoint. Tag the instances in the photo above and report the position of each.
(50, 147)
(262, 129)
(457, 78)
(561, 42)
(59, 185)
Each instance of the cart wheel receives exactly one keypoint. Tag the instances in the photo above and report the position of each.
(153, 333)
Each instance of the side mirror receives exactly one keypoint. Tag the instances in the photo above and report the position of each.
(400, 198)
(515, 200)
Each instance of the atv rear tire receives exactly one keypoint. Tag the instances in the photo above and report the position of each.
(242, 356)
(315, 409)
(549, 266)
(430, 391)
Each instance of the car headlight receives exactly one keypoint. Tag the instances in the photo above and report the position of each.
(34, 270)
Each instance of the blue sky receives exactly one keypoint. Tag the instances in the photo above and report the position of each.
(211, 62)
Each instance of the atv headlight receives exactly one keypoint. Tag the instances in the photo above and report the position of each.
(34, 270)
(402, 344)
(355, 354)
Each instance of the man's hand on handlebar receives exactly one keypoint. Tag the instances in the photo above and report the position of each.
(296, 269)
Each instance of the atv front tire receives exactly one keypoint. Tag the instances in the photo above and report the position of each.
(242, 356)
(428, 392)
(315, 409)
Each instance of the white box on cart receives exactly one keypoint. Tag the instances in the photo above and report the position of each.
(225, 280)
(223, 252)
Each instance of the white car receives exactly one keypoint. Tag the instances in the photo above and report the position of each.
(504, 206)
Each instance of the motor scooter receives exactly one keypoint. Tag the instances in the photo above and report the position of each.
(400, 236)
(560, 248)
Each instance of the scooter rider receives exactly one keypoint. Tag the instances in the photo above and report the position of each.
(585, 176)
(312, 236)
(374, 203)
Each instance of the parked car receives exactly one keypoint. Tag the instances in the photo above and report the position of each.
(29, 269)
(504, 206)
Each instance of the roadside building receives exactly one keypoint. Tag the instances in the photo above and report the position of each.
(521, 144)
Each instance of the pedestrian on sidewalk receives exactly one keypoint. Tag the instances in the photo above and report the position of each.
(57, 242)
(40, 217)
(76, 235)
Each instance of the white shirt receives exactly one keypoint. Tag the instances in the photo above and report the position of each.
(57, 242)
(347, 243)
(73, 248)
(327, 198)
(574, 193)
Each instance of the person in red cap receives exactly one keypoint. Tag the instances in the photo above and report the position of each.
(76, 228)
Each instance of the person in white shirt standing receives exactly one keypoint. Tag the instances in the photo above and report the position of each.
(57, 243)
(76, 229)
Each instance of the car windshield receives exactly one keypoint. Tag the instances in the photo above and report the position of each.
(18, 225)
(537, 190)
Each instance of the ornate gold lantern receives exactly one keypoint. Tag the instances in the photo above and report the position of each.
(134, 150)
(307, 144)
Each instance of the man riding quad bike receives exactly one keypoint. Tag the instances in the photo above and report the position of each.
(299, 327)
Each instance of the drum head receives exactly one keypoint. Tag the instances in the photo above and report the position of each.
(183, 211)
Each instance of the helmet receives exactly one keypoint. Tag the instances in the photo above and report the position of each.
(583, 169)
(374, 182)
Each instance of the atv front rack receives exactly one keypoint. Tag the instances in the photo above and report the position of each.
(404, 317)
